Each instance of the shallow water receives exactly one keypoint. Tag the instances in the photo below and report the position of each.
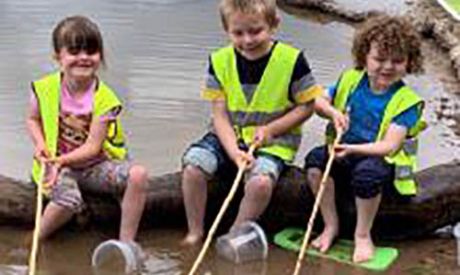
(390, 6)
(157, 52)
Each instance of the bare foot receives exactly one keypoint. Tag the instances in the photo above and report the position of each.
(192, 239)
(324, 241)
(364, 249)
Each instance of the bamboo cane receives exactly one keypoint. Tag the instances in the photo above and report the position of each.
(38, 215)
(319, 196)
(222, 210)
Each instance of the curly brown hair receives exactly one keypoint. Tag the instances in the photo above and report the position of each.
(395, 37)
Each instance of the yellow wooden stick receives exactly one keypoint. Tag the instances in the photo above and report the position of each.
(222, 210)
(38, 215)
(319, 196)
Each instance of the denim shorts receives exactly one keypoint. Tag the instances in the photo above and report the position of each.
(209, 155)
(108, 177)
(367, 176)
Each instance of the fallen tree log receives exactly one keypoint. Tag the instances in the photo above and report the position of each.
(436, 205)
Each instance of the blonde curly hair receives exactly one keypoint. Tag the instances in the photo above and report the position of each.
(395, 37)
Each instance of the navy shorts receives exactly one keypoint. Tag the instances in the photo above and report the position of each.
(210, 156)
(367, 176)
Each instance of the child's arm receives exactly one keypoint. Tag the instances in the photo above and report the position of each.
(226, 134)
(392, 141)
(91, 147)
(279, 126)
(33, 123)
(324, 108)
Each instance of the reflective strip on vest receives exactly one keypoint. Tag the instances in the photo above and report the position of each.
(405, 98)
(255, 118)
(270, 99)
(47, 91)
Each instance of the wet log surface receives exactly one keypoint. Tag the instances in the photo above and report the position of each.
(437, 204)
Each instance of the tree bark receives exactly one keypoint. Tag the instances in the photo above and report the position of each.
(437, 204)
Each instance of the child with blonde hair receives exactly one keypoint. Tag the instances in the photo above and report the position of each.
(261, 90)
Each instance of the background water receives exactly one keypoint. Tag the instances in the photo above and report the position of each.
(156, 55)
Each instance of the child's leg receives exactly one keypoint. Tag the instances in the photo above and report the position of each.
(200, 162)
(328, 210)
(369, 176)
(53, 218)
(133, 203)
(316, 160)
(258, 189)
(257, 194)
(65, 201)
(366, 211)
(120, 177)
(194, 190)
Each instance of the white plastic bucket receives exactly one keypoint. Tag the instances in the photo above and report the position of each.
(456, 232)
(13, 269)
(244, 243)
(110, 250)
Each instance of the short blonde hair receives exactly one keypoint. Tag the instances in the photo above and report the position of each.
(264, 7)
(394, 35)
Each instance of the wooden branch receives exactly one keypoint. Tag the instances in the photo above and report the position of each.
(437, 204)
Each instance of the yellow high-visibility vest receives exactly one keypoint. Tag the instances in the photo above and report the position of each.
(48, 90)
(269, 102)
(404, 159)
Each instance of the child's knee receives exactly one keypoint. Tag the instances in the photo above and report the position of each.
(314, 176)
(71, 201)
(138, 176)
(370, 176)
(193, 172)
(260, 185)
(66, 192)
(201, 159)
(265, 168)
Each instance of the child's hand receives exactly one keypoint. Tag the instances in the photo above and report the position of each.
(342, 150)
(262, 136)
(41, 153)
(243, 159)
(53, 168)
(341, 121)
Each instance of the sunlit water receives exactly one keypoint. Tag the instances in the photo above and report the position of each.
(157, 52)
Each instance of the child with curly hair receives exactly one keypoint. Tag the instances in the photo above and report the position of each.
(378, 147)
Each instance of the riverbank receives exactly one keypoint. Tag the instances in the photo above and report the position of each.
(430, 19)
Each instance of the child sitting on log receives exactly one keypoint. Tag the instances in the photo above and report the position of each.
(378, 149)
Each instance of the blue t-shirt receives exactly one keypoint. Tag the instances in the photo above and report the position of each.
(366, 111)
